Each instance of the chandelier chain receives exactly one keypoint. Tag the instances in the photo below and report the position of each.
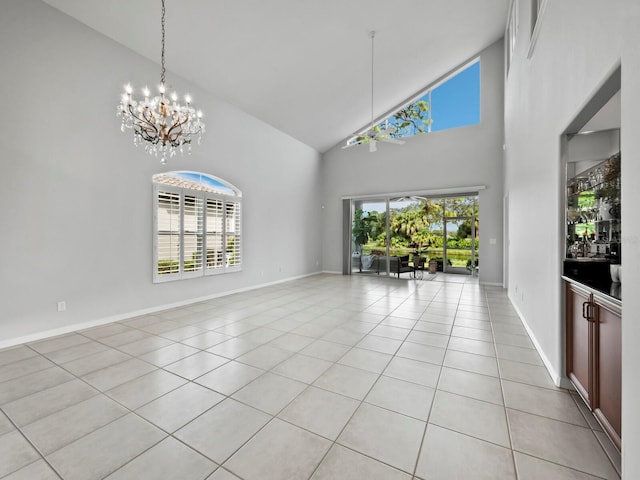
(162, 56)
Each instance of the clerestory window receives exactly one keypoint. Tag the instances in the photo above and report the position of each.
(450, 103)
(197, 226)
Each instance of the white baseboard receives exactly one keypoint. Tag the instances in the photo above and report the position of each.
(332, 272)
(559, 380)
(34, 337)
(491, 284)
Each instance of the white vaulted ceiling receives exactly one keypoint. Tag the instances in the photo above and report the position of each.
(302, 66)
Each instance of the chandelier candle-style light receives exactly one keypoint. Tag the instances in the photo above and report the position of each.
(161, 124)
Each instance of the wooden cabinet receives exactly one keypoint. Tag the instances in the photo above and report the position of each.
(594, 338)
(580, 347)
(608, 367)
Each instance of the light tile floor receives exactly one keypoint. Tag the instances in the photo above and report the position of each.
(328, 377)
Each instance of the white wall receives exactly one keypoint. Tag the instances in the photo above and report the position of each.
(586, 151)
(630, 168)
(76, 194)
(458, 157)
(581, 42)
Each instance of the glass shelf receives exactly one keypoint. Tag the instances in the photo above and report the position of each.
(593, 212)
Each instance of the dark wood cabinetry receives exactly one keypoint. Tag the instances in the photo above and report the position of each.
(608, 367)
(579, 342)
(594, 338)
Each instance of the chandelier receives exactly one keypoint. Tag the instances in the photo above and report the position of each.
(160, 123)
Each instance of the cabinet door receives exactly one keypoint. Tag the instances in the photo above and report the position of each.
(580, 337)
(608, 369)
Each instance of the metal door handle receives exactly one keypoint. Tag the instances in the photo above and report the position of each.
(587, 312)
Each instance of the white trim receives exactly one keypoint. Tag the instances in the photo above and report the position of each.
(433, 192)
(559, 380)
(536, 29)
(145, 311)
(331, 272)
(491, 284)
(505, 241)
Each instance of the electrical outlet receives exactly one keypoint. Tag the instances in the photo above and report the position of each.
(62, 306)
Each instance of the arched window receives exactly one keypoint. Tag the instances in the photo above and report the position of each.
(197, 226)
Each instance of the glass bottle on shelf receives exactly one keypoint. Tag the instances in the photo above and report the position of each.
(593, 211)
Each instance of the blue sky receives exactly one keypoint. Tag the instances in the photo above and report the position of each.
(456, 102)
(206, 180)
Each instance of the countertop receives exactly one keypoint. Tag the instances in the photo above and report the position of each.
(612, 290)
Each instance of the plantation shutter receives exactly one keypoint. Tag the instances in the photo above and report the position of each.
(168, 230)
(215, 235)
(196, 231)
(233, 235)
(192, 241)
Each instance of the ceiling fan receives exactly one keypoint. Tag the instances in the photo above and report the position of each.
(374, 134)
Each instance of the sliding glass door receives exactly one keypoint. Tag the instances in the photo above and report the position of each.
(369, 238)
(459, 249)
(409, 229)
(461, 233)
(441, 230)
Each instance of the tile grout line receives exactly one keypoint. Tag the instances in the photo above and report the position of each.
(358, 408)
(504, 400)
(338, 324)
(593, 431)
(426, 426)
(335, 441)
(513, 450)
(28, 440)
(103, 393)
(278, 413)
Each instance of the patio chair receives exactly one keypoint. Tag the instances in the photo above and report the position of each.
(402, 266)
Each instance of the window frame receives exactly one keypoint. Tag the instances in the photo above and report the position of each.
(202, 231)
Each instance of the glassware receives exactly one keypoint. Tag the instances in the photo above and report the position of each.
(599, 176)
